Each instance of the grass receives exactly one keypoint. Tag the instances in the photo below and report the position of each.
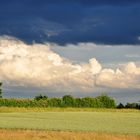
(110, 122)
(68, 109)
(54, 135)
(69, 124)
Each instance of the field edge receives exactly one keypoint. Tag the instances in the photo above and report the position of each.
(14, 134)
(68, 109)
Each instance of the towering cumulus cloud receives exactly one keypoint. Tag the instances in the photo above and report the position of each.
(37, 65)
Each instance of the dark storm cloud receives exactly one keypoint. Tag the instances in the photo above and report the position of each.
(72, 21)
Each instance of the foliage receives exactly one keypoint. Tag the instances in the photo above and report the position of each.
(78, 102)
(132, 105)
(68, 101)
(129, 106)
(103, 101)
(107, 101)
(23, 103)
(54, 102)
(120, 105)
(0, 90)
(41, 97)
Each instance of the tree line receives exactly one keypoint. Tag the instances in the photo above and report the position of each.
(129, 105)
(103, 101)
(0, 89)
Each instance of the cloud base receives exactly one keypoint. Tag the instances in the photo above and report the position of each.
(37, 65)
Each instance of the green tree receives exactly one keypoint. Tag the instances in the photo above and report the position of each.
(107, 101)
(68, 101)
(120, 105)
(87, 101)
(41, 97)
(78, 102)
(0, 90)
(54, 102)
(132, 105)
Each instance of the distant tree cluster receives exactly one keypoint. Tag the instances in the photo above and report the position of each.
(102, 101)
(129, 105)
(41, 97)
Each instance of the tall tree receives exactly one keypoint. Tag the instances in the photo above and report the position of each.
(0, 90)
(68, 101)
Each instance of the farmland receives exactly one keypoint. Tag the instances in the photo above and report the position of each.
(111, 123)
(73, 121)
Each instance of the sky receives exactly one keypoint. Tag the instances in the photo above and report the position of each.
(77, 47)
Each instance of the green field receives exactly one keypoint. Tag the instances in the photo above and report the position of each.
(110, 122)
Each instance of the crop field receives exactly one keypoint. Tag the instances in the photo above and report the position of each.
(116, 125)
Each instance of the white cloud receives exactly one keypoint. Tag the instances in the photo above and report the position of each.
(37, 65)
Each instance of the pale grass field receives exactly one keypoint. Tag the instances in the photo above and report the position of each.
(61, 135)
(58, 109)
(67, 123)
